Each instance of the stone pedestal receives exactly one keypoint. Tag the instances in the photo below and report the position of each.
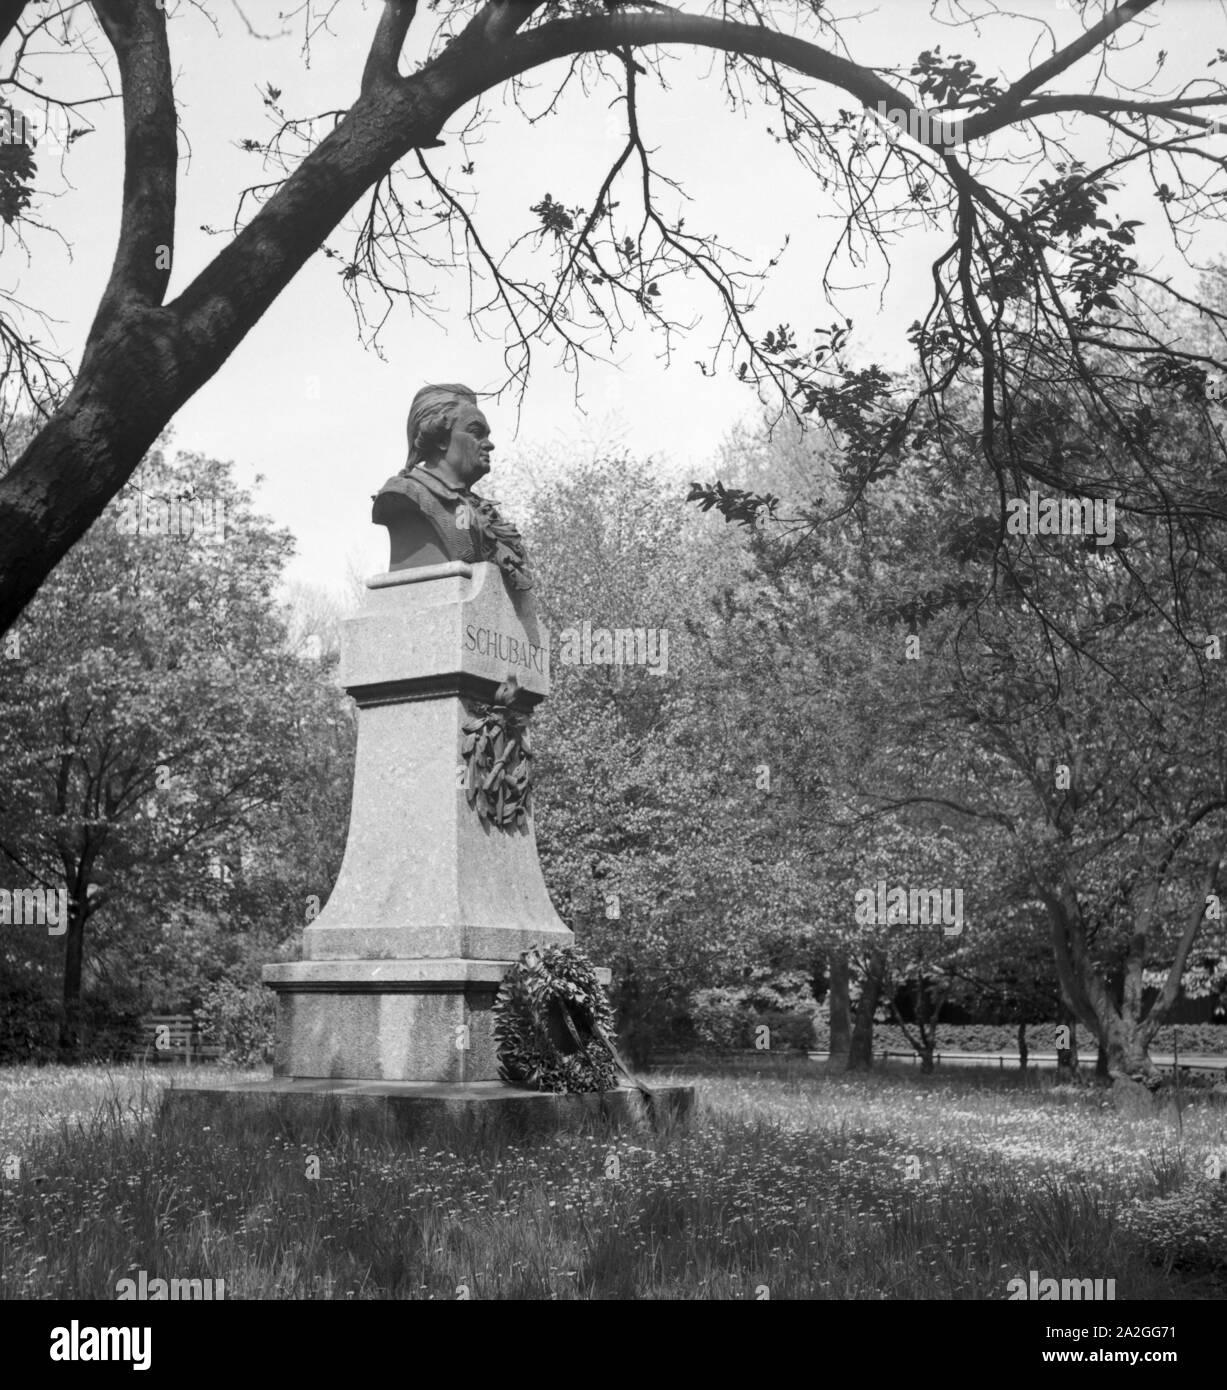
(423, 875)
(386, 1023)
(432, 904)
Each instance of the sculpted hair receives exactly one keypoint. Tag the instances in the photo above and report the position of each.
(431, 417)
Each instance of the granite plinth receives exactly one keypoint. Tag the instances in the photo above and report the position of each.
(483, 1112)
(422, 874)
(422, 630)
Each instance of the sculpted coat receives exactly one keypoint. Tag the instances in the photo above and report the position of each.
(429, 522)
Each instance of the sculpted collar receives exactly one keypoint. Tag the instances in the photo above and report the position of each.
(494, 538)
(444, 491)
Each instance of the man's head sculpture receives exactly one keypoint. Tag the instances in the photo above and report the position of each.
(431, 417)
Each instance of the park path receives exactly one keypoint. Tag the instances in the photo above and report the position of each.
(1197, 1060)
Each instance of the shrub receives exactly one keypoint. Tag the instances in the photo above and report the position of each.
(110, 1030)
(239, 1019)
(723, 1020)
(644, 1032)
(789, 1031)
(30, 1026)
(1186, 1230)
(29, 1023)
(718, 1019)
(1192, 1037)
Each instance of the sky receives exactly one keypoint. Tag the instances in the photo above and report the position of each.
(320, 414)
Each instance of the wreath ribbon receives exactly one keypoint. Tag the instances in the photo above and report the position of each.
(606, 1041)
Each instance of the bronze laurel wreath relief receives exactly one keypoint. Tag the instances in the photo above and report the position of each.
(497, 752)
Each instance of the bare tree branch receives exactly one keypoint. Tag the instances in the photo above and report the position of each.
(384, 55)
(1085, 44)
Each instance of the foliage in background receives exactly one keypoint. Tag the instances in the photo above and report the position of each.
(647, 822)
(240, 1020)
(158, 738)
(1025, 174)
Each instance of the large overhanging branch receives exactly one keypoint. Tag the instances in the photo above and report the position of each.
(491, 49)
(568, 36)
(392, 116)
(624, 28)
(563, 38)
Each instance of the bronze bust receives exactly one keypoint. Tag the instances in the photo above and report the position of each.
(431, 512)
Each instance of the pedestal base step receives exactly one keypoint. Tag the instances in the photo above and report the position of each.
(303, 1108)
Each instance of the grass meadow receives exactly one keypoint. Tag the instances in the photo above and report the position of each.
(800, 1184)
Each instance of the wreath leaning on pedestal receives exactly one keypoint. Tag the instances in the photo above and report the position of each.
(553, 1025)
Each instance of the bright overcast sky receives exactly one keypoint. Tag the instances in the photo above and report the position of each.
(322, 417)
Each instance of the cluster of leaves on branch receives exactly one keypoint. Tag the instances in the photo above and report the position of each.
(948, 80)
(17, 167)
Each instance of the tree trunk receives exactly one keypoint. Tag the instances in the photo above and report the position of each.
(860, 1052)
(1067, 1057)
(1128, 1056)
(927, 1014)
(74, 955)
(1102, 1070)
(841, 1009)
(1123, 1033)
(83, 447)
(1022, 1046)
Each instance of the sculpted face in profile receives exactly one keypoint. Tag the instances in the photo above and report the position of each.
(432, 514)
(468, 450)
